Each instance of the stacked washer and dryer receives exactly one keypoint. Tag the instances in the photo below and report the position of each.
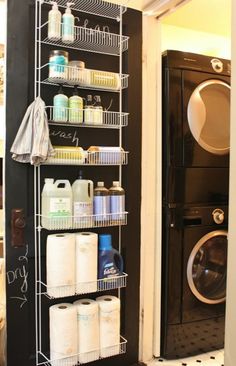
(196, 137)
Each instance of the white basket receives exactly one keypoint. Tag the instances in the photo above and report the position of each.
(82, 288)
(109, 119)
(70, 157)
(96, 7)
(86, 357)
(84, 221)
(92, 40)
(71, 76)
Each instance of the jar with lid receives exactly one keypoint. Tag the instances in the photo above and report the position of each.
(76, 73)
(58, 66)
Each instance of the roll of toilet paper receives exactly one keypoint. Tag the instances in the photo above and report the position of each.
(88, 330)
(61, 265)
(86, 262)
(109, 323)
(63, 335)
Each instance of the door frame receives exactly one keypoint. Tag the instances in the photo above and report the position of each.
(150, 305)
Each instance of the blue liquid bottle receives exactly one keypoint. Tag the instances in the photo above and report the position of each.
(110, 262)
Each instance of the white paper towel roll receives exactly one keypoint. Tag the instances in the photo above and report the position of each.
(61, 265)
(86, 262)
(109, 322)
(88, 330)
(63, 335)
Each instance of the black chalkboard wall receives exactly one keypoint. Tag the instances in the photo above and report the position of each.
(19, 179)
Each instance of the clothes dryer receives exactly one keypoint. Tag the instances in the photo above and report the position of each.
(196, 128)
(194, 280)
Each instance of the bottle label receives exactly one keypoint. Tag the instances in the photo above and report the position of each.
(83, 208)
(88, 116)
(60, 110)
(76, 110)
(110, 270)
(101, 207)
(60, 207)
(54, 26)
(117, 206)
(68, 27)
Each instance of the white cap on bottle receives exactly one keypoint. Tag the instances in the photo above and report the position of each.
(116, 184)
(49, 180)
(100, 184)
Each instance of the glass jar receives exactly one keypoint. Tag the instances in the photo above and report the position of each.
(58, 66)
(76, 73)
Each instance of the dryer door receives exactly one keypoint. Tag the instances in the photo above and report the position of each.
(206, 269)
(209, 116)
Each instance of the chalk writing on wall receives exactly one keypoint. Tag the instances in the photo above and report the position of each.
(20, 275)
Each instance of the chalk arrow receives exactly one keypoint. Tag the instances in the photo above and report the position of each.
(23, 299)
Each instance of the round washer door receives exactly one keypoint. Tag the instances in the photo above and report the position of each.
(209, 116)
(207, 266)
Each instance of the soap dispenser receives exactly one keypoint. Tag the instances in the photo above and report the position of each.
(54, 22)
(68, 25)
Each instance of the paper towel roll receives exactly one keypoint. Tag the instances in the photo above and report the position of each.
(61, 265)
(86, 262)
(109, 322)
(63, 335)
(88, 330)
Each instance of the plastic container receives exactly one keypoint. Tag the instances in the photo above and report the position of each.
(98, 111)
(104, 79)
(60, 107)
(76, 72)
(76, 108)
(58, 62)
(110, 262)
(68, 25)
(101, 202)
(54, 22)
(82, 201)
(56, 204)
(88, 110)
(117, 202)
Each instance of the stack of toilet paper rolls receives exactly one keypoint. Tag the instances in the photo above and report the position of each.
(72, 264)
(84, 331)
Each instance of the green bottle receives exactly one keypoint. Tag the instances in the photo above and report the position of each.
(76, 108)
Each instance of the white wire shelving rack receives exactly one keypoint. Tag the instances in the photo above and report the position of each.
(90, 40)
(98, 42)
(71, 117)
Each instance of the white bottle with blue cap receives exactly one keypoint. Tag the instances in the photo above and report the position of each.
(110, 262)
(68, 25)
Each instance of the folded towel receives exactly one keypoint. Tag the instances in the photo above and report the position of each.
(32, 143)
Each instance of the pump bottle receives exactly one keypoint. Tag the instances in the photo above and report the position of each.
(68, 25)
(98, 111)
(76, 108)
(60, 107)
(54, 22)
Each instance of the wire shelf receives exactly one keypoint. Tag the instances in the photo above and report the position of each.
(92, 40)
(75, 117)
(82, 358)
(95, 7)
(71, 76)
(83, 221)
(105, 284)
(72, 157)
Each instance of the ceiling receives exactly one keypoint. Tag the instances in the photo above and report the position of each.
(212, 16)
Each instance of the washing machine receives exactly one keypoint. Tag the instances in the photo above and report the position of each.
(196, 128)
(194, 279)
